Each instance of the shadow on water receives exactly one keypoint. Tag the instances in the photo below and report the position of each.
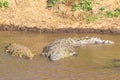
(115, 63)
(116, 60)
(108, 63)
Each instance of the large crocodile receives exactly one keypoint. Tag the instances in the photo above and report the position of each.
(65, 47)
(19, 50)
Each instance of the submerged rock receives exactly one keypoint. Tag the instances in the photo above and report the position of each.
(65, 47)
(19, 50)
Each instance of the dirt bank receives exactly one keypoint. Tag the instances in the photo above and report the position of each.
(33, 15)
(59, 30)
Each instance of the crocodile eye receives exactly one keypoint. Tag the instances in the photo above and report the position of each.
(77, 40)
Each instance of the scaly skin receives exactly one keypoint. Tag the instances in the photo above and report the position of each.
(19, 50)
(65, 47)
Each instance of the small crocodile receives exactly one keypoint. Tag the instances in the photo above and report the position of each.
(19, 50)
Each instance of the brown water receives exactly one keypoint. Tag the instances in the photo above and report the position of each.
(92, 63)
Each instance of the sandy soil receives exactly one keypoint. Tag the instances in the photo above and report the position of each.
(34, 13)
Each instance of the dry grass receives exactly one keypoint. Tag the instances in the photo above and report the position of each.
(28, 13)
(71, 2)
(34, 13)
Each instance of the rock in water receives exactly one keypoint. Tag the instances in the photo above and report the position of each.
(65, 47)
(19, 50)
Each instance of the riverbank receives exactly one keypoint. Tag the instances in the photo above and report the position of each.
(34, 16)
(59, 30)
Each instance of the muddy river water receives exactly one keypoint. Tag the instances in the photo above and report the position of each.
(91, 63)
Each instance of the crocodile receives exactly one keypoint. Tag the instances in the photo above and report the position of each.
(65, 47)
(21, 51)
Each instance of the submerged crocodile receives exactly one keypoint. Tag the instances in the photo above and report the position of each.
(65, 47)
(19, 50)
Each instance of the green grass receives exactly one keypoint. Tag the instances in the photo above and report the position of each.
(51, 3)
(1, 4)
(112, 14)
(63, 1)
(86, 4)
(4, 3)
(76, 7)
(91, 18)
(83, 4)
(102, 9)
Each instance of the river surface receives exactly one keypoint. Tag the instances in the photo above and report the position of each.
(92, 62)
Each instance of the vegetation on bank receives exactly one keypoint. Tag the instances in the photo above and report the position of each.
(4, 4)
(59, 13)
(82, 4)
(86, 6)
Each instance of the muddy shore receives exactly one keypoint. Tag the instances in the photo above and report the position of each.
(59, 30)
